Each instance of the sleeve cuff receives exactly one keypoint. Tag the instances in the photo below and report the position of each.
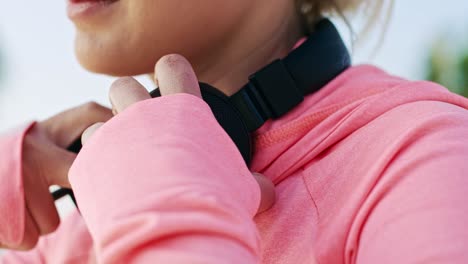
(12, 202)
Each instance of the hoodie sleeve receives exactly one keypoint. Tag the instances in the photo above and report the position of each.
(12, 208)
(52, 247)
(162, 182)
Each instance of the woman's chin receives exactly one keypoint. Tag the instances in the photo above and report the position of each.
(111, 63)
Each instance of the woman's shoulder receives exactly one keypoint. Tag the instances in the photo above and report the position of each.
(355, 98)
(398, 110)
(403, 100)
(374, 93)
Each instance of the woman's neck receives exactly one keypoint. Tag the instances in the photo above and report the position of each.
(267, 34)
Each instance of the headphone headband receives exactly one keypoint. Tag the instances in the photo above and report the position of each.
(280, 86)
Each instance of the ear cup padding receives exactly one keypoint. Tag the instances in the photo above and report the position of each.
(229, 118)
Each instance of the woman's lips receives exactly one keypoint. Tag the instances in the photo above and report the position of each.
(82, 9)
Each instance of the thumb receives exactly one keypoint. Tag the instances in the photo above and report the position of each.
(61, 160)
(45, 159)
(267, 189)
(89, 132)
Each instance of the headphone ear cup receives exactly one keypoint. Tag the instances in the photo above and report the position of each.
(229, 118)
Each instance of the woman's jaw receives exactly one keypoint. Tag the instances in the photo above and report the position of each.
(224, 44)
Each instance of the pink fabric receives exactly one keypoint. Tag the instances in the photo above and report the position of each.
(12, 222)
(370, 169)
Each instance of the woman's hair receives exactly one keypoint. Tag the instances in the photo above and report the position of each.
(312, 10)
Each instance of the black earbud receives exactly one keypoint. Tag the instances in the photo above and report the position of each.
(273, 90)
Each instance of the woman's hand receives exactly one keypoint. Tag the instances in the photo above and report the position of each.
(46, 162)
(173, 74)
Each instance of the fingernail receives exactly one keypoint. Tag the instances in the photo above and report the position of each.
(176, 75)
(89, 132)
(125, 92)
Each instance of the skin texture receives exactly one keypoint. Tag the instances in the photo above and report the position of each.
(224, 43)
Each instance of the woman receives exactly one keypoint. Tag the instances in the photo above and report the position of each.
(369, 169)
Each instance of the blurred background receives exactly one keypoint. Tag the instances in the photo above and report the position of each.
(39, 76)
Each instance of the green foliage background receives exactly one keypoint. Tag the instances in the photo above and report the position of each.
(448, 65)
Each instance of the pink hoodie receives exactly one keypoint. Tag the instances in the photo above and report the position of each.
(370, 169)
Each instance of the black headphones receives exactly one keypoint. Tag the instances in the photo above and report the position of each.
(273, 90)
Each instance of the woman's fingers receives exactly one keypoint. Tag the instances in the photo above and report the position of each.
(267, 189)
(31, 234)
(125, 92)
(59, 161)
(42, 165)
(89, 132)
(174, 74)
(47, 142)
(45, 161)
(63, 129)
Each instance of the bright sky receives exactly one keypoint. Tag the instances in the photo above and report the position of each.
(43, 77)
